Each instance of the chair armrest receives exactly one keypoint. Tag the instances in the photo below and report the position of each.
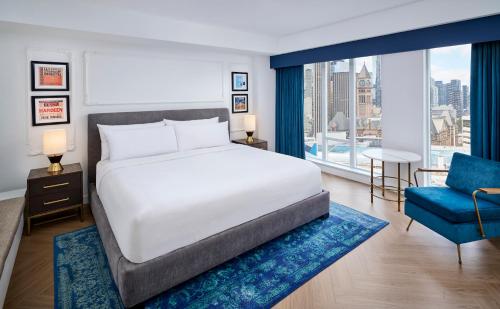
(426, 170)
(489, 190)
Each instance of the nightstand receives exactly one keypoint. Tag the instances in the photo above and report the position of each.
(257, 143)
(49, 194)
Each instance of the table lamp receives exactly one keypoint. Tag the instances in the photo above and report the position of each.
(249, 121)
(54, 146)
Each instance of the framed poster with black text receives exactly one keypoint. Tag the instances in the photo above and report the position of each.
(49, 76)
(47, 110)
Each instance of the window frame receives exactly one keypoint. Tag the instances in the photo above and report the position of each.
(427, 158)
(353, 138)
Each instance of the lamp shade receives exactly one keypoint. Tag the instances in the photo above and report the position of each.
(54, 142)
(249, 121)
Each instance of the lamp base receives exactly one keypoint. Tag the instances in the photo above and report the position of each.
(249, 137)
(55, 164)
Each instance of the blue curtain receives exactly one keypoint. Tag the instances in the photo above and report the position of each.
(485, 100)
(290, 111)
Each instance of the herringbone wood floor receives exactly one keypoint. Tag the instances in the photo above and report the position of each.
(393, 269)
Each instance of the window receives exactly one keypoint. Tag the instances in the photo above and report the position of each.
(342, 110)
(449, 106)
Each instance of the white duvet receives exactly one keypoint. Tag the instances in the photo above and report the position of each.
(161, 203)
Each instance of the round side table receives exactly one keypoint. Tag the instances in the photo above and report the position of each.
(391, 156)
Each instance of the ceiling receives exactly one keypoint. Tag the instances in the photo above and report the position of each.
(254, 26)
(268, 17)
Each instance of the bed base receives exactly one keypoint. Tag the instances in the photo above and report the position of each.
(139, 282)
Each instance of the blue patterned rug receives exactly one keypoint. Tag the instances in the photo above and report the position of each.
(257, 279)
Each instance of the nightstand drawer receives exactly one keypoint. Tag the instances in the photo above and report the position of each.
(258, 143)
(63, 183)
(262, 146)
(48, 202)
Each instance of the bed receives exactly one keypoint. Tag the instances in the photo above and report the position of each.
(166, 218)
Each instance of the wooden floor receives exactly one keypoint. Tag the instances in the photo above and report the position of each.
(393, 269)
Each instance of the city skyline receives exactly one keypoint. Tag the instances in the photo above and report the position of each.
(450, 105)
(453, 62)
(368, 93)
(450, 77)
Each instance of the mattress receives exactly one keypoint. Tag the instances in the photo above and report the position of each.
(158, 204)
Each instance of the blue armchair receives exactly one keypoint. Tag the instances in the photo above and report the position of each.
(468, 209)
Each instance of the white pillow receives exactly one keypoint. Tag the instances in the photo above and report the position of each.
(202, 136)
(125, 144)
(104, 129)
(169, 122)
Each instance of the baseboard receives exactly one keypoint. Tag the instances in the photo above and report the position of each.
(12, 194)
(358, 176)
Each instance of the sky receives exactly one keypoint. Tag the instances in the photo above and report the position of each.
(369, 61)
(451, 63)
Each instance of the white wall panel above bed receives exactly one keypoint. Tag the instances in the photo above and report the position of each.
(132, 79)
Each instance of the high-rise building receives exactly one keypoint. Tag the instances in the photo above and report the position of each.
(442, 93)
(466, 131)
(308, 82)
(308, 85)
(340, 83)
(329, 75)
(466, 98)
(434, 94)
(454, 96)
(378, 87)
(317, 97)
(364, 103)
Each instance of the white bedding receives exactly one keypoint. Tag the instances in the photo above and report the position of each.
(161, 203)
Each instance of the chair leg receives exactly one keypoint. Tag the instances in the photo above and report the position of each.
(459, 254)
(408, 227)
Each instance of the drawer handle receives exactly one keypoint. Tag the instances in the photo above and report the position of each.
(56, 201)
(56, 185)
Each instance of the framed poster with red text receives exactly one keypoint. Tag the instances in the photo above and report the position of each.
(47, 110)
(49, 76)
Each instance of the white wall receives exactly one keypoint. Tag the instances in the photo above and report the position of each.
(265, 96)
(16, 133)
(404, 104)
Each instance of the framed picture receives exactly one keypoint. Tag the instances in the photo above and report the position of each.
(239, 81)
(240, 103)
(47, 110)
(49, 76)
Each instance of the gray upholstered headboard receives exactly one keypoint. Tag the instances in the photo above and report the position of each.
(94, 140)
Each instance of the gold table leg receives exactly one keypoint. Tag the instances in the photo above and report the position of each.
(371, 181)
(399, 187)
(409, 174)
(383, 178)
